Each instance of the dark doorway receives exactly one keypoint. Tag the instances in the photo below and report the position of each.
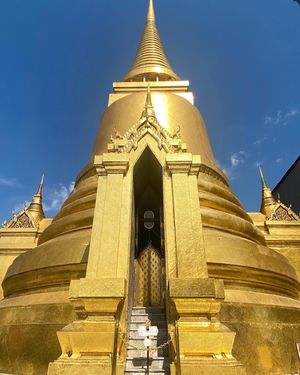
(149, 264)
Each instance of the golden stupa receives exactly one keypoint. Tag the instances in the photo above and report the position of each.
(152, 231)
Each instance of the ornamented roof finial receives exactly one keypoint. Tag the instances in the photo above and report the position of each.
(263, 181)
(36, 205)
(268, 202)
(148, 108)
(148, 98)
(40, 189)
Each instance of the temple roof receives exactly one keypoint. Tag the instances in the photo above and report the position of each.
(151, 62)
(272, 209)
(30, 216)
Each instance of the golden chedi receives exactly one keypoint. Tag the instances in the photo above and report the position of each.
(152, 231)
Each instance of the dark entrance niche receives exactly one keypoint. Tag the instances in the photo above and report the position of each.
(148, 263)
(148, 202)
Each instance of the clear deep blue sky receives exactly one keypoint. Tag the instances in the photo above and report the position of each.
(60, 57)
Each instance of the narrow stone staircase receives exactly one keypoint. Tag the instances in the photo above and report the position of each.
(136, 362)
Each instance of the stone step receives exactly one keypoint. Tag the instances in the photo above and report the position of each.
(162, 335)
(144, 372)
(144, 317)
(148, 310)
(163, 352)
(135, 325)
(139, 341)
(141, 362)
(136, 359)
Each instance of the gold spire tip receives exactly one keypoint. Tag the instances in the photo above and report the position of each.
(267, 202)
(151, 12)
(263, 181)
(36, 205)
(39, 192)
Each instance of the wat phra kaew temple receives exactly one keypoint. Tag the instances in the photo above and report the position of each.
(152, 232)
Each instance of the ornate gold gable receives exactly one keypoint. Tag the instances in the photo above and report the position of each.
(22, 220)
(148, 124)
(283, 213)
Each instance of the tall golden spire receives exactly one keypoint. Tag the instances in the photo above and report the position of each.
(151, 62)
(268, 202)
(36, 205)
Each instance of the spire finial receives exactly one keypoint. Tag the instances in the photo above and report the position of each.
(40, 189)
(263, 181)
(268, 202)
(36, 205)
(148, 97)
(151, 62)
(151, 12)
(148, 107)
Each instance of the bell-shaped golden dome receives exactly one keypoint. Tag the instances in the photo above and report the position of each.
(235, 248)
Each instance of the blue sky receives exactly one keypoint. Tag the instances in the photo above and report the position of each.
(60, 57)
